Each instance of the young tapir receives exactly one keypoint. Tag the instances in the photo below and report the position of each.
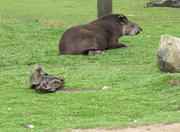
(97, 36)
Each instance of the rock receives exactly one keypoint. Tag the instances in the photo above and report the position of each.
(169, 54)
(105, 87)
(45, 83)
(35, 76)
(29, 126)
(164, 3)
(50, 83)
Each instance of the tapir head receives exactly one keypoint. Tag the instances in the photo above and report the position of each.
(128, 27)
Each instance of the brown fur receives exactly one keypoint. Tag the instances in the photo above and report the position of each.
(97, 36)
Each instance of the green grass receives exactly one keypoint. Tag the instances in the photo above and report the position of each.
(138, 90)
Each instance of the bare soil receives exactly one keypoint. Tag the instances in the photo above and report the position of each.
(78, 90)
(173, 127)
(174, 81)
(55, 23)
(2, 21)
(85, 90)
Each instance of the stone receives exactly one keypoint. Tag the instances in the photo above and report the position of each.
(169, 54)
(164, 3)
(45, 83)
(29, 126)
(35, 76)
(50, 83)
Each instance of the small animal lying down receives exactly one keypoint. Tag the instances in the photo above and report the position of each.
(45, 83)
(97, 36)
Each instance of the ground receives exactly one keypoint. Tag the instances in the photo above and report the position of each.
(173, 127)
(117, 89)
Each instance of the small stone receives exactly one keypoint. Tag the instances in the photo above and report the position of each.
(105, 87)
(148, 36)
(36, 20)
(29, 126)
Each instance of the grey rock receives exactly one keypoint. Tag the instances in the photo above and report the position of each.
(50, 83)
(169, 54)
(164, 3)
(45, 83)
(35, 76)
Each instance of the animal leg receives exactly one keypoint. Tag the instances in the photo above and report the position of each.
(118, 45)
(94, 52)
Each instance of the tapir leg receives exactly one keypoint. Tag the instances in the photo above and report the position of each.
(119, 45)
(94, 52)
(115, 44)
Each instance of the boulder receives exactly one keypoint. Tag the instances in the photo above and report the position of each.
(169, 54)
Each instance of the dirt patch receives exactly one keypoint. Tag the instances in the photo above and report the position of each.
(174, 81)
(78, 90)
(85, 90)
(67, 6)
(2, 21)
(173, 127)
(55, 23)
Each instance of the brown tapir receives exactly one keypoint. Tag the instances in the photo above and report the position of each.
(97, 36)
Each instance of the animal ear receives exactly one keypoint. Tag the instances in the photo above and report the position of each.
(121, 17)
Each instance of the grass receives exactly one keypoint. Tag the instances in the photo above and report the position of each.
(138, 90)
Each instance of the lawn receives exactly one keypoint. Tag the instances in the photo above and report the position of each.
(139, 93)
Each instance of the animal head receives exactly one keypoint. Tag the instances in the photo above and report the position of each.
(128, 27)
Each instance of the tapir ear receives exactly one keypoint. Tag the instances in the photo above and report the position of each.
(121, 17)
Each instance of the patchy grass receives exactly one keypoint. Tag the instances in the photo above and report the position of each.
(139, 93)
